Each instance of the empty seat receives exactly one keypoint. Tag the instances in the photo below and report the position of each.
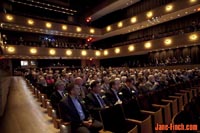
(113, 120)
(133, 113)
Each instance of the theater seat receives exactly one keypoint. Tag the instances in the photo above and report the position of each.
(113, 120)
(166, 112)
(180, 101)
(173, 104)
(133, 113)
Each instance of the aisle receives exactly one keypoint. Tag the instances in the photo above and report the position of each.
(23, 113)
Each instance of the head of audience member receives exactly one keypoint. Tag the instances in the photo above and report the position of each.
(60, 85)
(73, 89)
(123, 79)
(95, 87)
(129, 82)
(106, 80)
(151, 78)
(78, 81)
(115, 84)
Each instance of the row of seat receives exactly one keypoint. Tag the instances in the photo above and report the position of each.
(138, 115)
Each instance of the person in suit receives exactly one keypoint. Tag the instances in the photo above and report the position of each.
(95, 102)
(105, 86)
(74, 111)
(128, 90)
(151, 84)
(57, 95)
(113, 95)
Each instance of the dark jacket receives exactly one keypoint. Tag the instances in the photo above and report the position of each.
(69, 113)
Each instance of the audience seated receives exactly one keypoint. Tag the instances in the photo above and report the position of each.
(107, 89)
(73, 110)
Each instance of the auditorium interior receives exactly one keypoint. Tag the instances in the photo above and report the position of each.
(100, 66)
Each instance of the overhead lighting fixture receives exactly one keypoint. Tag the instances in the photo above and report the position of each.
(147, 45)
(105, 52)
(108, 28)
(97, 53)
(64, 27)
(149, 14)
(120, 24)
(117, 50)
(11, 49)
(168, 8)
(192, 1)
(68, 52)
(92, 31)
(83, 53)
(48, 25)
(168, 42)
(9, 17)
(133, 19)
(193, 37)
(78, 29)
(33, 50)
(52, 52)
(30, 22)
(131, 48)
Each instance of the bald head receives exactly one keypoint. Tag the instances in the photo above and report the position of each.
(78, 81)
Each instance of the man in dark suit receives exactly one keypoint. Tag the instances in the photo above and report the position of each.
(94, 100)
(113, 95)
(128, 90)
(73, 110)
(57, 95)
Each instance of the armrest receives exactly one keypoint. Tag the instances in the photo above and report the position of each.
(134, 121)
(157, 105)
(147, 112)
(165, 100)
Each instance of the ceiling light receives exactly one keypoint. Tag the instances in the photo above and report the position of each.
(193, 37)
(97, 53)
(64, 27)
(9, 17)
(30, 22)
(33, 50)
(120, 24)
(78, 29)
(192, 1)
(168, 8)
(131, 48)
(133, 19)
(52, 52)
(117, 50)
(149, 14)
(11, 49)
(108, 28)
(105, 52)
(48, 25)
(68, 52)
(83, 53)
(168, 42)
(92, 31)
(147, 45)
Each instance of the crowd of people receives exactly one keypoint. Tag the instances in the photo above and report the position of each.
(78, 94)
(171, 61)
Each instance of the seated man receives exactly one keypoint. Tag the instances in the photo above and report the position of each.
(151, 84)
(129, 90)
(57, 95)
(94, 100)
(73, 110)
(112, 94)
